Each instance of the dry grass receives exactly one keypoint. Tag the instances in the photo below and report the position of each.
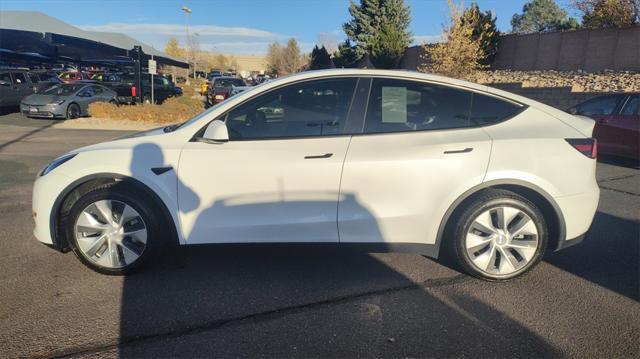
(173, 110)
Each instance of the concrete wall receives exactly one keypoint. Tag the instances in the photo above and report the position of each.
(588, 50)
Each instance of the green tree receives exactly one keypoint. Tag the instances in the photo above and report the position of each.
(346, 55)
(371, 19)
(542, 16)
(608, 13)
(320, 59)
(485, 31)
(387, 48)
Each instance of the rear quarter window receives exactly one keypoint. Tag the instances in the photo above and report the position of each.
(487, 110)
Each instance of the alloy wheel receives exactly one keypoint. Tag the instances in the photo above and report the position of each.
(111, 233)
(501, 240)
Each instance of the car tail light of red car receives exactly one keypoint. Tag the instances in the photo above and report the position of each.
(133, 91)
(586, 146)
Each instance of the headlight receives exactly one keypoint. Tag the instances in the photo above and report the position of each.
(219, 97)
(59, 102)
(55, 163)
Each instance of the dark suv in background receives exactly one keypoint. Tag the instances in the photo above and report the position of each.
(16, 84)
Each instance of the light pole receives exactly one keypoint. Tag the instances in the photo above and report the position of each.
(187, 11)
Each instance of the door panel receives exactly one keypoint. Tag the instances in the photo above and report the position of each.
(400, 185)
(261, 191)
(420, 151)
(278, 178)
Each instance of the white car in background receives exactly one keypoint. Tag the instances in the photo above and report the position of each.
(386, 160)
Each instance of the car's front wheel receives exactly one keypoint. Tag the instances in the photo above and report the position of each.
(499, 235)
(112, 229)
(73, 111)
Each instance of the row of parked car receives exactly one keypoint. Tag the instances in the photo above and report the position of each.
(42, 93)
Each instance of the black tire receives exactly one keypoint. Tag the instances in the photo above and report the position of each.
(73, 111)
(151, 217)
(464, 216)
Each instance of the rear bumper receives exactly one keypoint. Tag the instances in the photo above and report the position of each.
(578, 212)
(570, 242)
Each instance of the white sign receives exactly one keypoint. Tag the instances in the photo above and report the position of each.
(394, 104)
(152, 67)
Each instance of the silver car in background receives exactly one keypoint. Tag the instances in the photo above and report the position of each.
(66, 100)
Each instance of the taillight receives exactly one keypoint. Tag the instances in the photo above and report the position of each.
(586, 146)
(133, 91)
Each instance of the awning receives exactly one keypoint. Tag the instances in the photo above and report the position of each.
(32, 32)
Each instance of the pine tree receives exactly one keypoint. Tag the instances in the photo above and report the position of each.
(346, 55)
(375, 24)
(320, 59)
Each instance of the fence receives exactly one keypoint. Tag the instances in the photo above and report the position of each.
(588, 50)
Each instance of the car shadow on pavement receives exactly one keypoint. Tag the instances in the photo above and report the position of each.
(308, 295)
(609, 255)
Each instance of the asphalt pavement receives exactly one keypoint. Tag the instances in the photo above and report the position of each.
(290, 302)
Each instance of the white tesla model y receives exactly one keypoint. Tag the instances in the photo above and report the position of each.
(387, 160)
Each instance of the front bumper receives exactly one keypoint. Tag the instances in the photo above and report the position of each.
(42, 111)
(46, 191)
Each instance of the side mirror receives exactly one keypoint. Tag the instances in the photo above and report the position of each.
(572, 111)
(5, 83)
(216, 131)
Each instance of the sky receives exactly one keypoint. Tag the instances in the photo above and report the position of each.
(243, 26)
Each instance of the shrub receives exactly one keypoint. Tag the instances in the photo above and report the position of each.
(175, 109)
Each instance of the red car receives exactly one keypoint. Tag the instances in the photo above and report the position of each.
(221, 88)
(617, 123)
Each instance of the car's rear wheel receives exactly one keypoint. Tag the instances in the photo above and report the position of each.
(499, 235)
(73, 111)
(113, 230)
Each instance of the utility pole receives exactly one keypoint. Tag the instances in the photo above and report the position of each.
(187, 11)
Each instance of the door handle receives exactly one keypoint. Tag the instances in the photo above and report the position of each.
(326, 155)
(468, 149)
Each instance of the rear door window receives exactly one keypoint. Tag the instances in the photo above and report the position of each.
(34, 78)
(487, 110)
(400, 106)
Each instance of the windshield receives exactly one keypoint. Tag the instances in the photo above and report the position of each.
(63, 89)
(228, 83)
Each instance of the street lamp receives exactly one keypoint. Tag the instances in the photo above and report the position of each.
(187, 11)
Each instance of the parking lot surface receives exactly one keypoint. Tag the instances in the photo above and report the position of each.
(290, 302)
